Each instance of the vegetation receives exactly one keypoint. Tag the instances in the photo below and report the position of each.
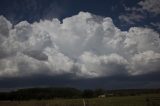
(109, 101)
(75, 97)
(69, 93)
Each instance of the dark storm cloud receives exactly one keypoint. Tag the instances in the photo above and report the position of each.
(3, 54)
(150, 80)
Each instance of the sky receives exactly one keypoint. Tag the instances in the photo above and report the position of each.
(86, 44)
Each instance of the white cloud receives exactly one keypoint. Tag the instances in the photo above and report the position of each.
(92, 44)
(104, 65)
(142, 39)
(145, 62)
(58, 62)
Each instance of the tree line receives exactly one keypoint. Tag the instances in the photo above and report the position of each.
(53, 93)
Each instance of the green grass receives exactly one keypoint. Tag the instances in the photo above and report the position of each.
(109, 101)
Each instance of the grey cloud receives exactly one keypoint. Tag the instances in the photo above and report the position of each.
(157, 25)
(138, 12)
(5, 26)
(37, 55)
(152, 6)
(131, 18)
(3, 54)
(23, 31)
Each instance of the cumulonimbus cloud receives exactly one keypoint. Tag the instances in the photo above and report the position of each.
(83, 45)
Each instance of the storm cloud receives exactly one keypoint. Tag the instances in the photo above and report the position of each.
(83, 46)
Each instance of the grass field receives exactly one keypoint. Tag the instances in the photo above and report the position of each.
(153, 100)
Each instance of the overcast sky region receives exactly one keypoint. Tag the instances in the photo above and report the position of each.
(111, 44)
